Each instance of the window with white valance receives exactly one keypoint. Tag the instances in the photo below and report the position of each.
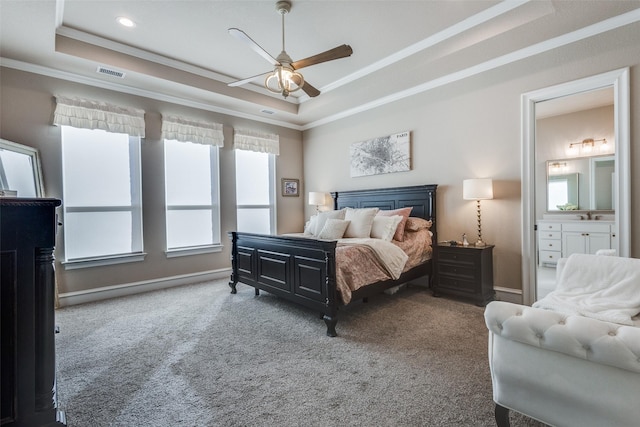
(196, 131)
(89, 114)
(255, 154)
(192, 185)
(249, 140)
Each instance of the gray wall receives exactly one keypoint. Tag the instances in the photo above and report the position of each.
(27, 111)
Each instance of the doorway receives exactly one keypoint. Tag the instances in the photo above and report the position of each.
(618, 82)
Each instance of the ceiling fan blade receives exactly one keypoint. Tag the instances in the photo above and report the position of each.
(247, 80)
(243, 37)
(331, 54)
(310, 90)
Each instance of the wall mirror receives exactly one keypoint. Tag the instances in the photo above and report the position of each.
(583, 184)
(615, 162)
(20, 170)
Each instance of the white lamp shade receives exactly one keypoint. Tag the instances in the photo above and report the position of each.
(477, 189)
(316, 198)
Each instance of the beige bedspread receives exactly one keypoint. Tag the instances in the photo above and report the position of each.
(358, 265)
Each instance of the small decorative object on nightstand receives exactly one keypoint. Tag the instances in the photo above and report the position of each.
(464, 271)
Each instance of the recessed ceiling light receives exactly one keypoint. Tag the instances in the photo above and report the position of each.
(126, 22)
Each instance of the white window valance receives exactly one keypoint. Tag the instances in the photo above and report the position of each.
(88, 114)
(256, 141)
(196, 131)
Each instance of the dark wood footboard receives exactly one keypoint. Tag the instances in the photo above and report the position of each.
(304, 270)
(298, 269)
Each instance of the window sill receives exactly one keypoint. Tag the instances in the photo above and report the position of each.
(102, 261)
(193, 250)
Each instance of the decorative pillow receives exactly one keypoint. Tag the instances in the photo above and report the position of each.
(384, 227)
(416, 224)
(323, 217)
(310, 226)
(404, 212)
(361, 221)
(333, 229)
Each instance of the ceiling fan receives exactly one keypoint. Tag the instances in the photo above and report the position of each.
(285, 78)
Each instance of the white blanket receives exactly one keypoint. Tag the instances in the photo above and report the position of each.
(602, 287)
(390, 256)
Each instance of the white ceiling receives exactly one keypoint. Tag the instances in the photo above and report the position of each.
(180, 50)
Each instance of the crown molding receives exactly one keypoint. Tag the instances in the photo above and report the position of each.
(117, 87)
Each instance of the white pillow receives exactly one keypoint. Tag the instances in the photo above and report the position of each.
(310, 226)
(323, 217)
(361, 221)
(384, 227)
(333, 229)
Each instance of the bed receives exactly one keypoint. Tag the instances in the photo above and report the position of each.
(303, 270)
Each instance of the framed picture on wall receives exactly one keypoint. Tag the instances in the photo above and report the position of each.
(290, 187)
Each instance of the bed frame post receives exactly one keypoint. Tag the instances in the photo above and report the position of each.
(331, 313)
(234, 265)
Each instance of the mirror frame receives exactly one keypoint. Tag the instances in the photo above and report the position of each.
(35, 161)
(619, 80)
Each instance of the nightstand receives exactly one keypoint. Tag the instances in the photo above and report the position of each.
(464, 271)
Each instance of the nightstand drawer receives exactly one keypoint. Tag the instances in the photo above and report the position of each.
(457, 257)
(457, 284)
(461, 271)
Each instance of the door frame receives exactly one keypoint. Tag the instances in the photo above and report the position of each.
(619, 80)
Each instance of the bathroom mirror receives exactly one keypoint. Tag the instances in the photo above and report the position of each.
(585, 184)
(20, 170)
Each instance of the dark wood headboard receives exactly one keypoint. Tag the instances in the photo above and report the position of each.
(421, 197)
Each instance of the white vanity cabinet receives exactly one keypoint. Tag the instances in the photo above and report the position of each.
(585, 238)
(559, 239)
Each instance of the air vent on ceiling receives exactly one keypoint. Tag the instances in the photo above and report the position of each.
(110, 72)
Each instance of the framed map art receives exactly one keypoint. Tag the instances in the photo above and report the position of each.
(385, 154)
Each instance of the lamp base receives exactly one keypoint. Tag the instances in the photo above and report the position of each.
(480, 244)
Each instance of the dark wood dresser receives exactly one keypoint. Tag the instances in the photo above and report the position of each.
(27, 240)
(465, 271)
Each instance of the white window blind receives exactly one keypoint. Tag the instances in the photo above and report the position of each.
(89, 114)
(250, 140)
(255, 192)
(101, 197)
(195, 131)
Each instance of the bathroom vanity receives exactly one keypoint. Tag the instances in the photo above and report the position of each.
(561, 238)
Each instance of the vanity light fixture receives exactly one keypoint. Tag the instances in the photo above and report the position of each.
(557, 166)
(586, 146)
(478, 189)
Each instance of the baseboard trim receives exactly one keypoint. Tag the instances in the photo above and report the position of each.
(98, 294)
(508, 294)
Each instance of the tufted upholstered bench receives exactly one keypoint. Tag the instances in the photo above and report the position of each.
(563, 369)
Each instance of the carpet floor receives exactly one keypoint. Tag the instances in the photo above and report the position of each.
(196, 355)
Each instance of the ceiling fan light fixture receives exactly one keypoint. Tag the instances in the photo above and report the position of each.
(284, 80)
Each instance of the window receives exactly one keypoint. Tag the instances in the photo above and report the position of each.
(255, 192)
(102, 194)
(192, 195)
(558, 193)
